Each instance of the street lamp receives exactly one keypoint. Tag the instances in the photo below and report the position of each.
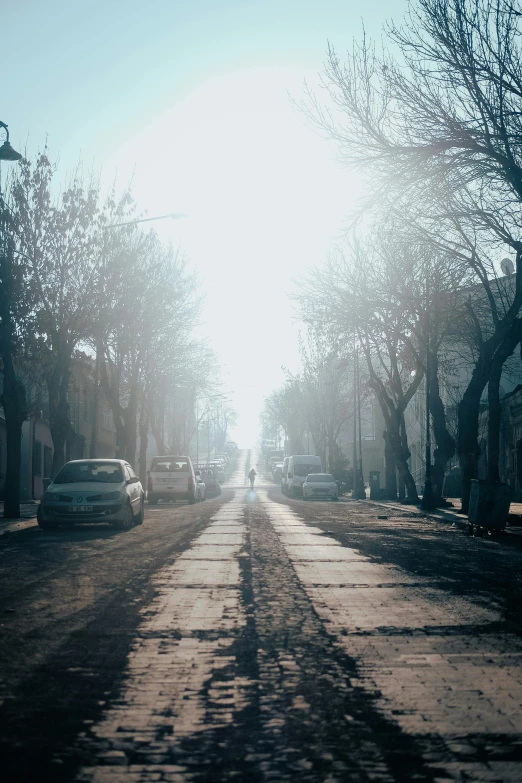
(6, 151)
(171, 215)
(358, 491)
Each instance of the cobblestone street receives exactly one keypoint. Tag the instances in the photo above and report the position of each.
(259, 638)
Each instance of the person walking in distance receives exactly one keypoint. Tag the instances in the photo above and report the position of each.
(252, 476)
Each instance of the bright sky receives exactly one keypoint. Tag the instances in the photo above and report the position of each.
(192, 98)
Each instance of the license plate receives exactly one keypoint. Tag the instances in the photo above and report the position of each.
(72, 509)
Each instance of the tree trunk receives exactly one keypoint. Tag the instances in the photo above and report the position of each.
(15, 409)
(156, 431)
(59, 422)
(494, 407)
(131, 426)
(494, 413)
(468, 447)
(390, 469)
(13, 397)
(401, 455)
(490, 365)
(144, 441)
(444, 443)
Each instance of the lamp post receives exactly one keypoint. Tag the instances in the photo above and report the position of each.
(97, 366)
(6, 151)
(361, 492)
(14, 401)
(358, 492)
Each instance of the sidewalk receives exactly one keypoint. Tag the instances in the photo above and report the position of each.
(26, 520)
(449, 514)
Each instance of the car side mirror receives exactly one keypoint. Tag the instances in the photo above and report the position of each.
(133, 480)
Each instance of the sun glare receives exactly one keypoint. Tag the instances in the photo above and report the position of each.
(264, 198)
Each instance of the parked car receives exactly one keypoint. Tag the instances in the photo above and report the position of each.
(219, 468)
(223, 456)
(320, 485)
(172, 478)
(284, 471)
(231, 447)
(278, 454)
(208, 475)
(277, 469)
(93, 490)
(267, 444)
(273, 462)
(299, 466)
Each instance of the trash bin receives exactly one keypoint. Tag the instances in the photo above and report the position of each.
(375, 485)
(489, 503)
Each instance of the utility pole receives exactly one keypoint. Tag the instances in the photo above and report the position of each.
(354, 464)
(360, 490)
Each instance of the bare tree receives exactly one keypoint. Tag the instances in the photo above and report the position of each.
(376, 295)
(329, 398)
(152, 303)
(59, 239)
(441, 128)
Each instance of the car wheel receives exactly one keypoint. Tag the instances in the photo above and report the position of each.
(141, 516)
(128, 518)
(44, 524)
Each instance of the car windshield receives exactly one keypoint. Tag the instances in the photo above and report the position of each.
(303, 470)
(105, 472)
(320, 477)
(170, 465)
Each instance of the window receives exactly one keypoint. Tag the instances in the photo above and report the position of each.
(37, 458)
(105, 472)
(108, 422)
(48, 461)
(300, 469)
(170, 465)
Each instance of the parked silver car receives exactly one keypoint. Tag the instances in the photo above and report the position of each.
(320, 485)
(93, 490)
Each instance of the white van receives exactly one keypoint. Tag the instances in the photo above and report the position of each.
(299, 466)
(172, 478)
